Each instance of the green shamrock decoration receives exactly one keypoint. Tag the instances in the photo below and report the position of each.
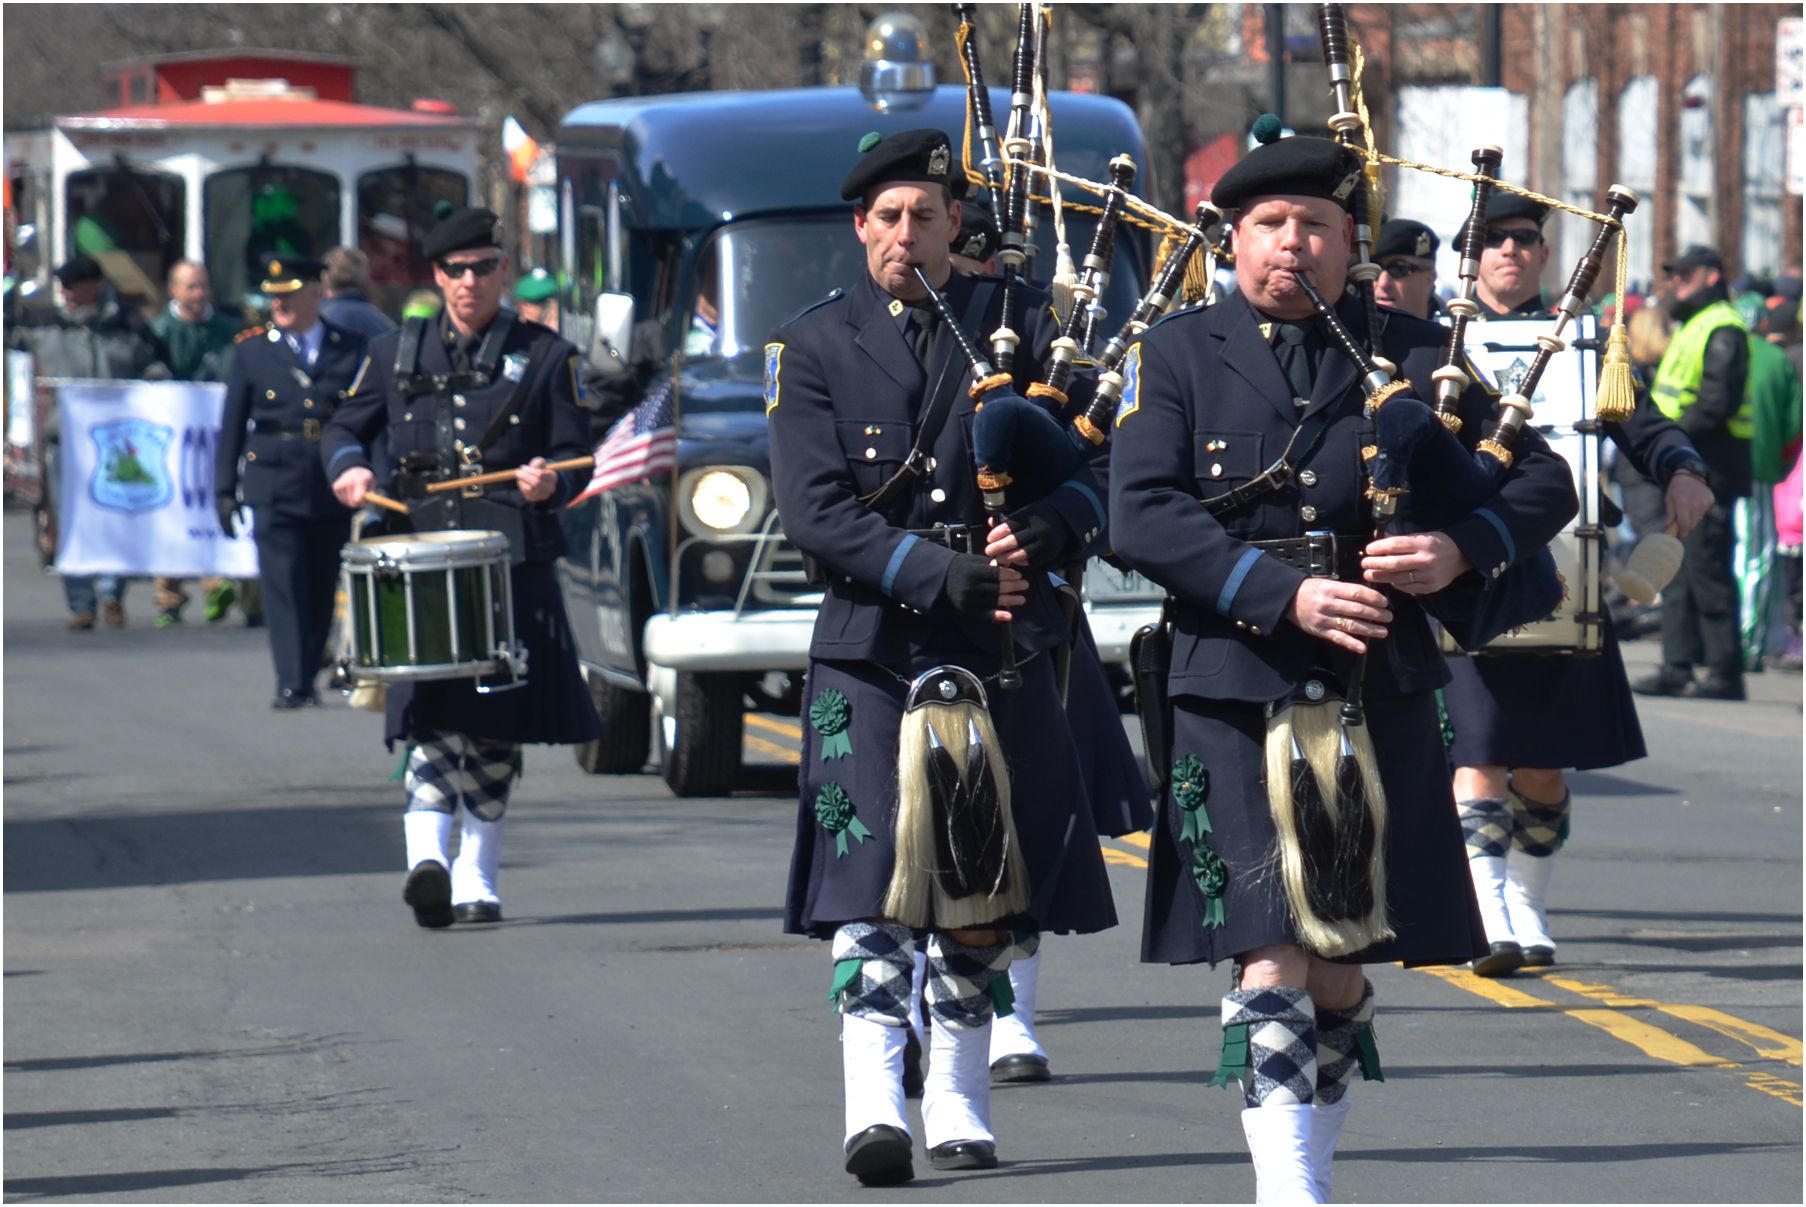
(1212, 875)
(1191, 788)
(830, 715)
(834, 810)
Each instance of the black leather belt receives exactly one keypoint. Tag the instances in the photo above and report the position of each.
(1320, 554)
(307, 429)
(961, 538)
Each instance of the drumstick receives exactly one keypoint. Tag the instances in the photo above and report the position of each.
(370, 496)
(505, 475)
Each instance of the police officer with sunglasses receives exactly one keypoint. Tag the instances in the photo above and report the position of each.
(1406, 254)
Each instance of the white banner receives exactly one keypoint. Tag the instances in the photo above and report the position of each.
(137, 481)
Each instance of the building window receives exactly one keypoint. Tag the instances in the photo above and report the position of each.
(131, 221)
(1579, 170)
(1637, 171)
(1764, 163)
(1693, 209)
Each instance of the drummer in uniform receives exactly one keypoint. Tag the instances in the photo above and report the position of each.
(475, 389)
(1276, 586)
(915, 585)
(287, 379)
(1521, 718)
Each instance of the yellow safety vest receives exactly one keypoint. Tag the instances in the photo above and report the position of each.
(1676, 384)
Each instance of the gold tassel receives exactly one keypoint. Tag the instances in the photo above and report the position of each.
(1617, 389)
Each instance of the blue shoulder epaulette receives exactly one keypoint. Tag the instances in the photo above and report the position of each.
(833, 295)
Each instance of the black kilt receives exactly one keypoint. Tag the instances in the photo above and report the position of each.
(1121, 802)
(553, 707)
(1069, 887)
(1543, 710)
(1430, 898)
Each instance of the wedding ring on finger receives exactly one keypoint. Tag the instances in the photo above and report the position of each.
(1411, 577)
(1342, 624)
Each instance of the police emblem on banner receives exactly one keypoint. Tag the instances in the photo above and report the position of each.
(774, 353)
(131, 465)
(1131, 385)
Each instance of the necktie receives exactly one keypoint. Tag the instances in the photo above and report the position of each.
(924, 321)
(1294, 355)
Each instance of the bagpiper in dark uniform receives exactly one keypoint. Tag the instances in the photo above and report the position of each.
(1521, 717)
(911, 585)
(1213, 398)
(287, 379)
(475, 389)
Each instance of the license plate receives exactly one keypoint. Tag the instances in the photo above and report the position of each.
(1105, 583)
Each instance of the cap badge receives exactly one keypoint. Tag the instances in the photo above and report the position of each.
(896, 307)
(1346, 187)
(275, 268)
(1423, 243)
(937, 161)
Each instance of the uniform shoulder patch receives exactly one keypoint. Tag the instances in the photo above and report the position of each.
(250, 333)
(774, 360)
(1131, 384)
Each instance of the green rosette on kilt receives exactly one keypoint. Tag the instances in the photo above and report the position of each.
(1212, 875)
(830, 715)
(834, 810)
(1191, 788)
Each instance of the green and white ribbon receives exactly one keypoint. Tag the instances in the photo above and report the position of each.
(830, 715)
(1191, 788)
(1212, 875)
(834, 810)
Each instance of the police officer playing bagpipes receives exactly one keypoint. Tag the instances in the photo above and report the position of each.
(1307, 827)
(472, 391)
(935, 800)
(287, 379)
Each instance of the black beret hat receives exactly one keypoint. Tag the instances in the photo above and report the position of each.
(1296, 167)
(977, 237)
(77, 269)
(283, 273)
(1501, 205)
(1695, 256)
(907, 157)
(1403, 237)
(461, 230)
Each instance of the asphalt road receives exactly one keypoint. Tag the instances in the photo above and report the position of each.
(214, 994)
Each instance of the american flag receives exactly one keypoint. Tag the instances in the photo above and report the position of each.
(641, 444)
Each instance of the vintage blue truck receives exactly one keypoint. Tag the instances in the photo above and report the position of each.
(690, 226)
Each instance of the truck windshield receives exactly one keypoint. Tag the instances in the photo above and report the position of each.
(754, 275)
(129, 219)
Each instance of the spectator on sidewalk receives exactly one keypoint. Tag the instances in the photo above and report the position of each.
(346, 284)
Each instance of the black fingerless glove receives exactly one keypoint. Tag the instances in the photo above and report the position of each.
(1043, 534)
(971, 586)
(227, 506)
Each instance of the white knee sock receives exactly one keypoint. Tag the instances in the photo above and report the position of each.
(956, 1093)
(871, 1061)
(1526, 896)
(479, 859)
(1279, 1140)
(428, 836)
(1013, 1034)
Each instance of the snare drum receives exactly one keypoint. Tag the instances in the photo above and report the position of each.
(432, 605)
(1563, 413)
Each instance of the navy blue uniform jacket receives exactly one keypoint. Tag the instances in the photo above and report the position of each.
(1206, 407)
(269, 387)
(843, 396)
(551, 425)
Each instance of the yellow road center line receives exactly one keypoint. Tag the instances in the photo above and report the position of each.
(1112, 855)
(1137, 839)
(1653, 1041)
(1771, 1045)
(784, 753)
(1492, 990)
(760, 721)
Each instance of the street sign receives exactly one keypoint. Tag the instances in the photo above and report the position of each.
(1790, 76)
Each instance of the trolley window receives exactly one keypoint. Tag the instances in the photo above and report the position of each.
(129, 219)
(394, 211)
(269, 209)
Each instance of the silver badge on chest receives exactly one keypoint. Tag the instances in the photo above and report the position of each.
(514, 366)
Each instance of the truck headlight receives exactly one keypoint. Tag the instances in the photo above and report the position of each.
(719, 499)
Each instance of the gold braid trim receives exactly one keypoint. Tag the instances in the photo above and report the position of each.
(1500, 453)
(981, 388)
(992, 482)
(1451, 421)
(1386, 392)
(1042, 390)
(1089, 430)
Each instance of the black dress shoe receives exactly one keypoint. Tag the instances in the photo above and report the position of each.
(964, 1154)
(1715, 687)
(289, 698)
(1539, 957)
(1022, 1066)
(1666, 681)
(478, 911)
(1503, 960)
(428, 891)
(880, 1156)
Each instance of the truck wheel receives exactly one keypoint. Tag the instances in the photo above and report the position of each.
(626, 729)
(699, 747)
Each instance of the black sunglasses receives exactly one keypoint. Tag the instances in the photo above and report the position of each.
(1524, 238)
(1403, 270)
(481, 268)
